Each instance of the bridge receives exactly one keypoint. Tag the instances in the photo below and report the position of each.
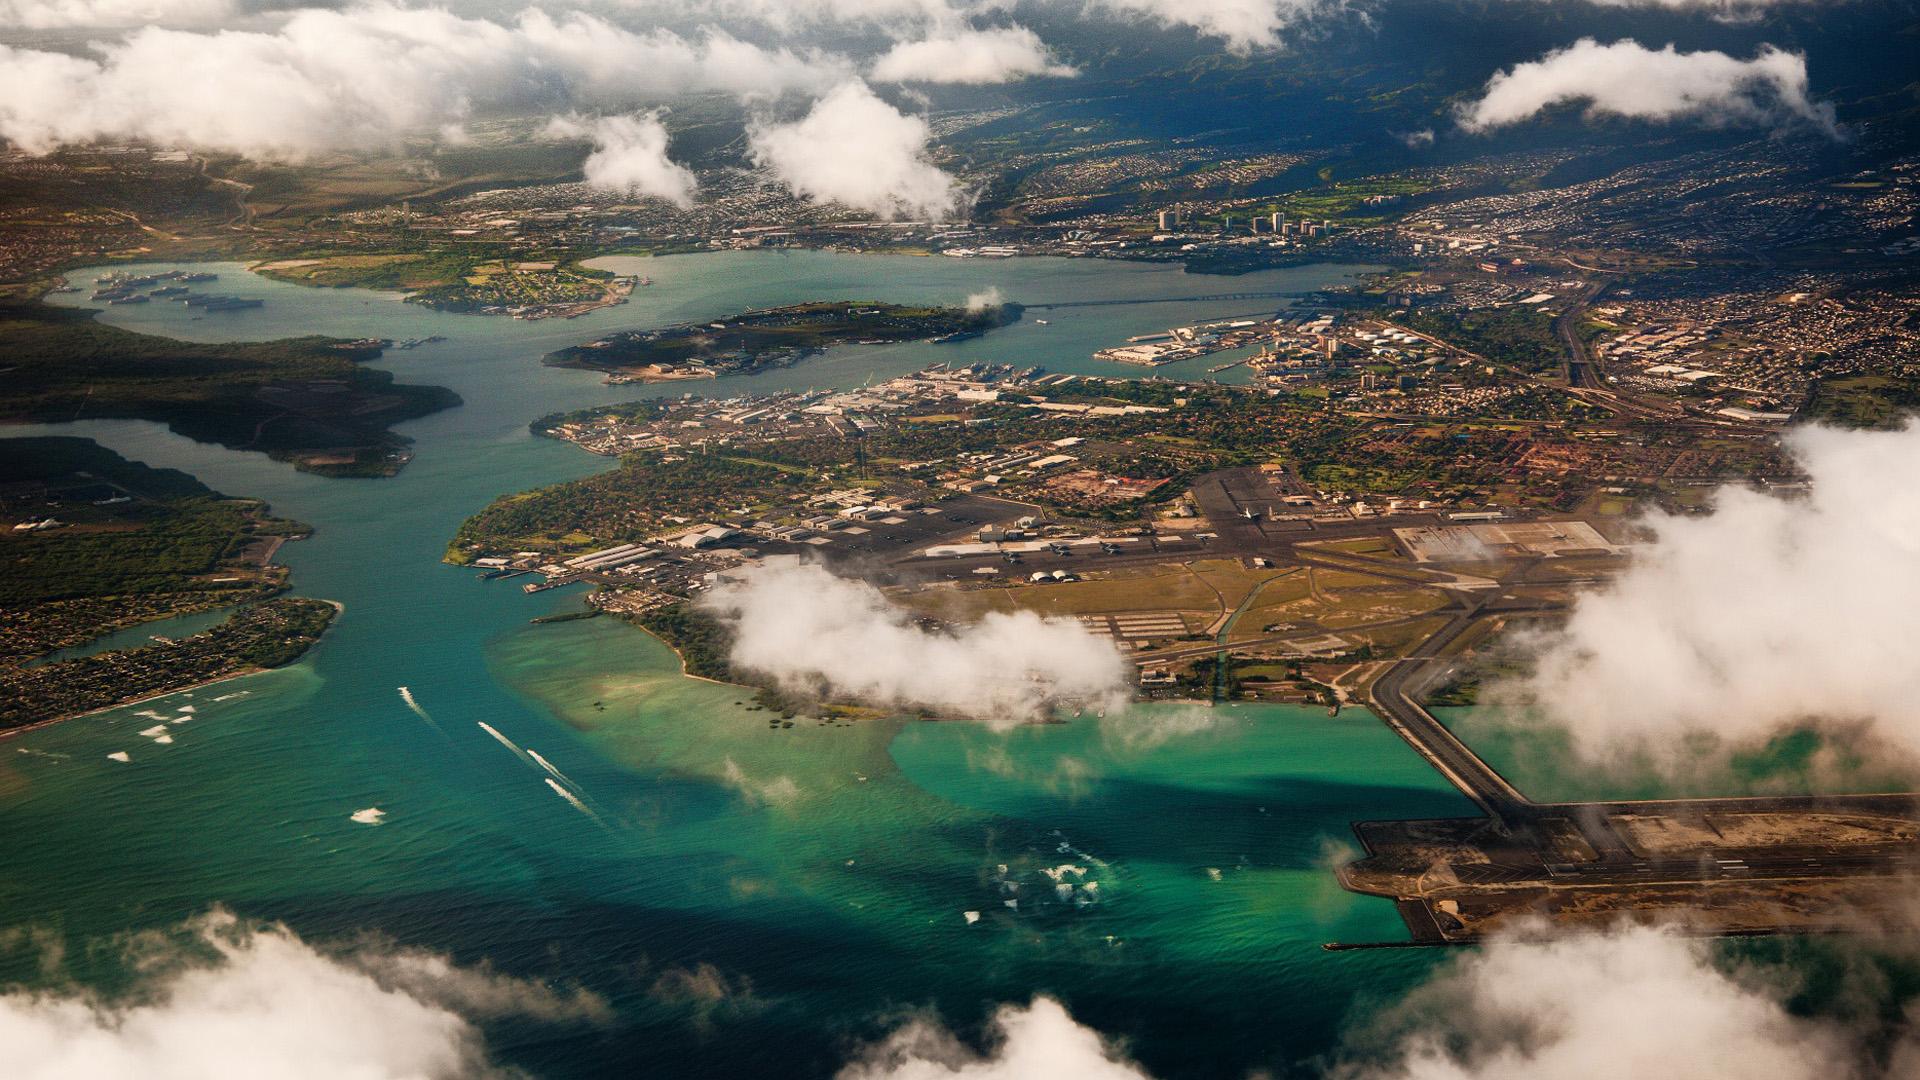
(1207, 299)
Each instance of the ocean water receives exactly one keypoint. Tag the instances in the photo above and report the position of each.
(816, 877)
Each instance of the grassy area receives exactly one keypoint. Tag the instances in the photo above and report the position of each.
(1158, 589)
(132, 544)
(1201, 592)
(399, 270)
(1334, 599)
(1522, 337)
(1375, 546)
(1864, 400)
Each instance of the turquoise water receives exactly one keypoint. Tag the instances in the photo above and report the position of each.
(823, 870)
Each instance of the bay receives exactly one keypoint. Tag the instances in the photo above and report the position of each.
(816, 878)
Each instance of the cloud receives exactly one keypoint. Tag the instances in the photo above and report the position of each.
(986, 299)
(1634, 1002)
(778, 791)
(1766, 614)
(367, 77)
(60, 14)
(856, 150)
(1637, 1002)
(977, 57)
(814, 632)
(476, 993)
(1416, 140)
(1629, 80)
(1245, 25)
(1137, 730)
(237, 1001)
(788, 16)
(1724, 10)
(1040, 1040)
(629, 155)
(706, 994)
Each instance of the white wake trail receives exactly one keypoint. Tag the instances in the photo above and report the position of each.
(549, 766)
(406, 695)
(504, 741)
(561, 791)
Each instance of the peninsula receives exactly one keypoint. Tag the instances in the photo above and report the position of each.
(91, 543)
(306, 400)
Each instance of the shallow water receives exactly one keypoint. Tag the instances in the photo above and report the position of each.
(823, 870)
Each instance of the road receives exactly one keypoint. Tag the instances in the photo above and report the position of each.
(1395, 698)
(1209, 299)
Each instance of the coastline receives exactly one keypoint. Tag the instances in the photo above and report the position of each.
(682, 658)
(338, 610)
(215, 681)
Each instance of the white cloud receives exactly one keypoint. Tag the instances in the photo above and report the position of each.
(1726, 10)
(789, 16)
(1635, 1002)
(1245, 25)
(245, 1003)
(629, 155)
(999, 55)
(364, 78)
(1764, 614)
(986, 299)
(856, 150)
(1040, 1040)
(813, 631)
(1629, 80)
(778, 791)
(58, 14)
(1139, 730)
(1640, 1002)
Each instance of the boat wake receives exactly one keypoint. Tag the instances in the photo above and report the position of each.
(406, 695)
(574, 800)
(506, 742)
(548, 765)
(560, 782)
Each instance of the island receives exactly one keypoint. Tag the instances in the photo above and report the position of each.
(464, 283)
(91, 543)
(773, 337)
(307, 400)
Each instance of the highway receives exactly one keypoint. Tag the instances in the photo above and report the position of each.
(1395, 695)
(1209, 299)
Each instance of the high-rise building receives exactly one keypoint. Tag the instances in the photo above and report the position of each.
(1169, 219)
(1277, 223)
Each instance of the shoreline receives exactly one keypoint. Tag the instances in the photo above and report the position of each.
(682, 658)
(250, 261)
(338, 610)
(215, 681)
